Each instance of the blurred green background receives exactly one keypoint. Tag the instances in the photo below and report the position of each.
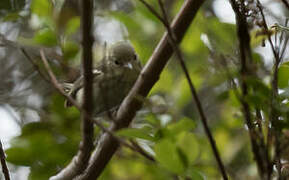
(167, 127)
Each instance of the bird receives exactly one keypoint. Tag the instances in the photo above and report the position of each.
(112, 78)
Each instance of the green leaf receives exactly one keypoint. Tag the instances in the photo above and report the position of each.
(41, 8)
(153, 119)
(234, 101)
(168, 156)
(11, 16)
(70, 50)
(185, 124)
(72, 25)
(259, 86)
(194, 174)
(188, 144)
(222, 36)
(142, 133)
(46, 37)
(283, 76)
(165, 83)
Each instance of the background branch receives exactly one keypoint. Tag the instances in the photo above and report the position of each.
(36, 67)
(148, 77)
(5, 169)
(258, 146)
(274, 95)
(195, 96)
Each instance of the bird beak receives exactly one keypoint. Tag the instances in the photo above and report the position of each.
(128, 65)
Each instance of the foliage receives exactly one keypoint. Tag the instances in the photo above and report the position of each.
(168, 126)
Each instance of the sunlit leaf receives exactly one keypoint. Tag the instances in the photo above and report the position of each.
(184, 124)
(188, 144)
(142, 133)
(46, 37)
(41, 8)
(72, 25)
(70, 50)
(168, 156)
(283, 76)
(194, 174)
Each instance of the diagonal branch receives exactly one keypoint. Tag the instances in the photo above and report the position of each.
(35, 66)
(5, 169)
(58, 87)
(204, 120)
(108, 145)
(54, 81)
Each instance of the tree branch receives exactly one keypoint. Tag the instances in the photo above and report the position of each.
(258, 147)
(80, 161)
(148, 77)
(274, 118)
(195, 96)
(58, 87)
(5, 169)
(87, 65)
(36, 67)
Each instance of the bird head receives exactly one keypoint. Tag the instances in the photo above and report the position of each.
(122, 55)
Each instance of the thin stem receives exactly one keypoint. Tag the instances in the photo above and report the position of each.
(274, 83)
(36, 67)
(5, 169)
(204, 120)
(54, 81)
(260, 154)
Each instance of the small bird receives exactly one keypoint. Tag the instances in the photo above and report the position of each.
(112, 79)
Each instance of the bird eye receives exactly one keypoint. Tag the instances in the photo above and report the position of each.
(134, 57)
(116, 62)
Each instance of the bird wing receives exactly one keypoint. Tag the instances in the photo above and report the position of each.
(78, 84)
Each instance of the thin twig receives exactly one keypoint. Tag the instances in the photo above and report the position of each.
(134, 146)
(5, 169)
(55, 83)
(36, 67)
(258, 146)
(154, 12)
(274, 83)
(142, 151)
(76, 165)
(204, 120)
